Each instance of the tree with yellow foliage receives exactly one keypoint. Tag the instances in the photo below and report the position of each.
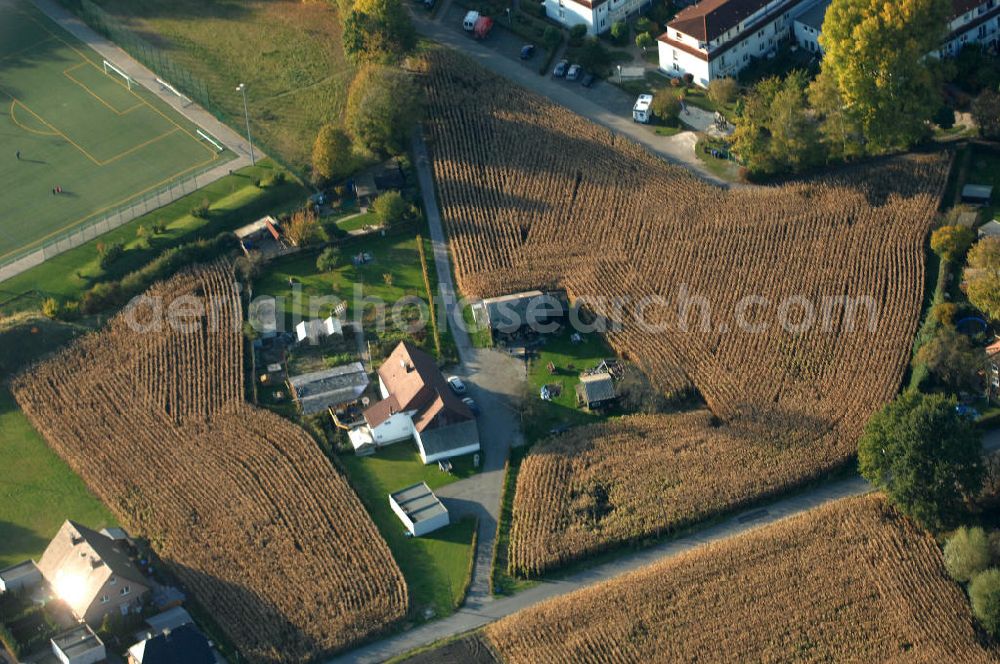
(876, 70)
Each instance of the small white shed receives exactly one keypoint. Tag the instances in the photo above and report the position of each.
(419, 509)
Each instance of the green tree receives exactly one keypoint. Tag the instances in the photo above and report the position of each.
(776, 131)
(876, 53)
(643, 24)
(953, 359)
(952, 242)
(667, 107)
(551, 37)
(328, 259)
(967, 553)
(839, 129)
(332, 155)
(752, 138)
(795, 140)
(383, 104)
(982, 276)
(592, 56)
(390, 208)
(577, 34)
(924, 455)
(378, 31)
(722, 91)
(984, 591)
(619, 32)
(644, 40)
(986, 112)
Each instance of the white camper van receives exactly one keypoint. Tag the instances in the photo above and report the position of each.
(470, 20)
(641, 111)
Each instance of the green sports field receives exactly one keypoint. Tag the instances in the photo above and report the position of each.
(80, 129)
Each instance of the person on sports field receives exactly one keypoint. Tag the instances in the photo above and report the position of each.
(19, 155)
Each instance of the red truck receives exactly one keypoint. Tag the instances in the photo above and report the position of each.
(477, 24)
(483, 27)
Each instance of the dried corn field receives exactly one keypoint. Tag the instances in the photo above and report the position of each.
(239, 502)
(850, 581)
(790, 309)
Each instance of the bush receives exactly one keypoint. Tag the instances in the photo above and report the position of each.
(722, 91)
(328, 260)
(551, 37)
(107, 254)
(51, 308)
(667, 108)
(576, 34)
(944, 117)
(303, 229)
(952, 242)
(620, 32)
(390, 208)
(276, 179)
(984, 591)
(967, 553)
(201, 210)
(644, 25)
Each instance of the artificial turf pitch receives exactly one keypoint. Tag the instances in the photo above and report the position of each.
(79, 129)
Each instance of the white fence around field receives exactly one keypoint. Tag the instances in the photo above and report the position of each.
(12, 267)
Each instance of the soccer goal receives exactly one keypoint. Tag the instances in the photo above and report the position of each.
(111, 69)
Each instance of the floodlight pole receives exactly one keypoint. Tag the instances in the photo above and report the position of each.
(242, 87)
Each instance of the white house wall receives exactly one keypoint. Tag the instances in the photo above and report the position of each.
(468, 449)
(807, 37)
(757, 43)
(395, 429)
(570, 13)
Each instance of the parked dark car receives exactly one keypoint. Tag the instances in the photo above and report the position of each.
(527, 51)
(588, 80)
(560, 69)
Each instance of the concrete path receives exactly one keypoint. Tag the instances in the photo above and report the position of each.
(147, 79)
(470, 617)
(672, 149)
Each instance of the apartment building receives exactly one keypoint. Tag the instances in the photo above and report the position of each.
(718, 38)
(597, 15)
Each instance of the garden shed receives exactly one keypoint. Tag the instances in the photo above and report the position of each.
(419, 509)
(977, 194)
(595, 390)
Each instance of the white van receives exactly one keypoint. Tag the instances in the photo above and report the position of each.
(641, 112)
(470, 20)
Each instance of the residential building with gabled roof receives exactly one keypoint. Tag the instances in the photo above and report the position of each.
(92, 573)
(417, 403)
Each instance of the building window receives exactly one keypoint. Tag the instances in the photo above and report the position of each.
(762, 45)
(113, 580)
(602, 22)
(125, 591)
(105, 599)
(562, 13)
(746, 56)
(676, 58)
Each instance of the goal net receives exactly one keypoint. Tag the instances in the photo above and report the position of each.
(110, 69)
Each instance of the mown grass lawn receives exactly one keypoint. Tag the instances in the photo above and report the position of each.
(234, 201)
(288, 53)
(297, 282)
(38, 491)
(569, 360)
(436, 566)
